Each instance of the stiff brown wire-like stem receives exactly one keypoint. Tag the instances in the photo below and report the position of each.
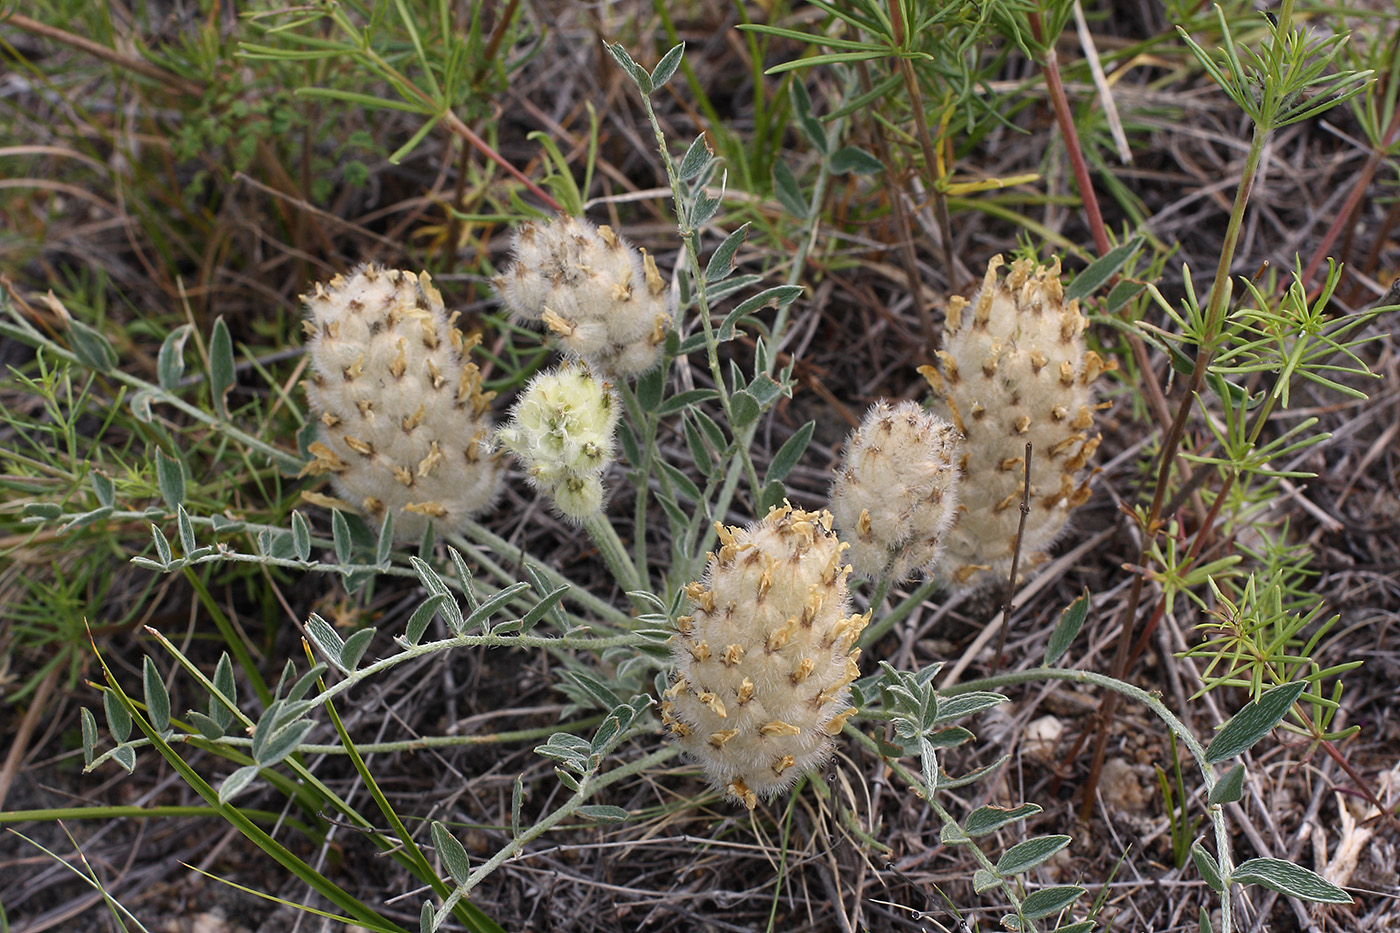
(1347, 215)
(1015, 562)
(161, 76)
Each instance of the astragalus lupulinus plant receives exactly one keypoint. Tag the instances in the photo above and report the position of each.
(600, 296)
(896, 491)
(1015, 370)
(403, 417)
(764, 660)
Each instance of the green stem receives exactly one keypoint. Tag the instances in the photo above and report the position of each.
(409, 652)
(647, 423)
(24, 332)
(688, 233)
(1220, 288)
(140, 813)
(310, 792)
(743, 464)
(406, 851)
(587, 787)
(882, 589)
(312, 566)
(896, 615)
(1213, 327)
(408, 745)
(914, 781)
(308, 875)
(614, 552)
(694, 558)
(578, 595)
(1033, 675)
(805, 245)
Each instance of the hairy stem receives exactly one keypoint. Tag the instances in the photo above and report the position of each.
(614, 552)
(26, 333)
(811, 230)
(896, 615)
(689, 236)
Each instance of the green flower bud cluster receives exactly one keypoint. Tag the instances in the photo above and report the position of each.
(562, 431)
(604, 300)
(764, 661)
(403, 418)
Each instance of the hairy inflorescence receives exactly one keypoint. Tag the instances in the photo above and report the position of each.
(764, 661)
(1014, 370)
(896, 489)
(601, 297)
(403, 418)
(561, 429)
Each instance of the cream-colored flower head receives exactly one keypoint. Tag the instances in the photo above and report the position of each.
(562, 431)
(403, 418)
(1014, 368)
(764, 662)
(603, 299)
(895, 492)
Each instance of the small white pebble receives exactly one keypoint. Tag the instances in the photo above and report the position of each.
(1041, 736)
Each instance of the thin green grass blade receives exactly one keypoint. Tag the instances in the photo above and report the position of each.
(343, 920)
(407, 853)
(310, 876)
(88, 876)
(231, 637)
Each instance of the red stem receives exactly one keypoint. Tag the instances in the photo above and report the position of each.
(1358, 191)
(1066, 121)
(1361, 785)
(461, 129)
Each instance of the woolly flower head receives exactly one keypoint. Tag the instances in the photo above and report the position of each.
(1014, 369)
(895, 492)
(764, 662)
(403, 418)
(603, 299)
(562, 431)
